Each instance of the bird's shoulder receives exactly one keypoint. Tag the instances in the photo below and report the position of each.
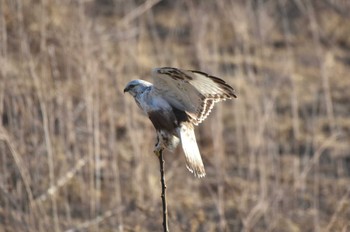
(152, 101)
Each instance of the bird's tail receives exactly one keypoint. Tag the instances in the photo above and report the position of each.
(194, 161)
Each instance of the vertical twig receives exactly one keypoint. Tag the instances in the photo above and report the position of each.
(162, 180)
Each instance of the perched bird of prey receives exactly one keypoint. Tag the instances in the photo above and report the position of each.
(177, 100)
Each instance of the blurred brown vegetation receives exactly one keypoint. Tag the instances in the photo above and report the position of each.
(76, 154)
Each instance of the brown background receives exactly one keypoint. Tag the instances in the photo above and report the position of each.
(76, 154)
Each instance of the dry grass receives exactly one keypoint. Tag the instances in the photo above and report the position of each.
(76, 154)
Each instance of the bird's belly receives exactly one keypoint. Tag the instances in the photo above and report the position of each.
(163, 120)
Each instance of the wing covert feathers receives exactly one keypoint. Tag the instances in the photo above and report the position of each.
(194, 161)
(192, 91)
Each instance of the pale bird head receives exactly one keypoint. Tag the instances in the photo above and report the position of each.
(136, 87)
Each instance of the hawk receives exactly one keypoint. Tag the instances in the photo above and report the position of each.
(175, 102)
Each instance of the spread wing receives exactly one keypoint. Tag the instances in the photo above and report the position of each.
(191, 91)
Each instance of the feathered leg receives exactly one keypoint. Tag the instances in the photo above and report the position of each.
(158, 146)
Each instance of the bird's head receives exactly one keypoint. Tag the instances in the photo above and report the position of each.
(136, 87)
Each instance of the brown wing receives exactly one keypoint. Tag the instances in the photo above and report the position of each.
(194, 92)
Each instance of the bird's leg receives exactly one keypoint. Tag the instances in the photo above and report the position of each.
(158, 147)
(157, 150)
